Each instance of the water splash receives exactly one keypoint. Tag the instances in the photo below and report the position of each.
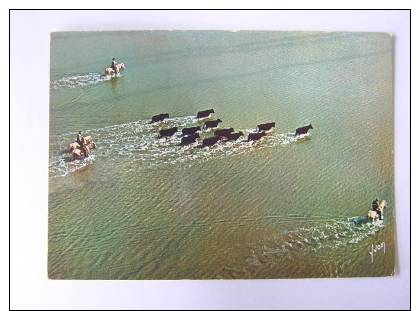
(138, 143)
(79, 80)
(62, 166)
(310, 235)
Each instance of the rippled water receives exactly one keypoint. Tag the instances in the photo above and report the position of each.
(147, 208)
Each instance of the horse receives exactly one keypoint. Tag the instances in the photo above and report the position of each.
(80, 153)
(88, 141)
(119, 68)
(73, 146)
(374, 215)
(77, 152)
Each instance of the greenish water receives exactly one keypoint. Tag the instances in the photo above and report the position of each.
(143, 208)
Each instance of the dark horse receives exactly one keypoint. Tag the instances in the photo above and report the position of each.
(303, 130)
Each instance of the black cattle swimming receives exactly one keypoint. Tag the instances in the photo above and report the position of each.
(223, 132)
(210, 141)
(167, 132)
(190, 130)
(204, 113)
(256, 136)
(190, 139)
(212, 124)
(234, 136)
(303, 130)
(159, 117)
(266, 126)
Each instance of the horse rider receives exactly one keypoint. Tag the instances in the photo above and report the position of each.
(79, 138)
(375, 207)
(81, 141)
(114, 65)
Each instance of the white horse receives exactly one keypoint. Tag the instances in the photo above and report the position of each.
(374, 215)
(87, 141)
(110, 71)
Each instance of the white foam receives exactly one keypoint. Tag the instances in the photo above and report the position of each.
(78, 80)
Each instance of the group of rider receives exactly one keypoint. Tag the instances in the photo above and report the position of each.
(80, 139)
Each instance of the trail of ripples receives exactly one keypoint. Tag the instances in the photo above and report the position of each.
(79, 80)
(313, 236)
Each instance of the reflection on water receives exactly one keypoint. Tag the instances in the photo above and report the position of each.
(115, 82)
(147, 208)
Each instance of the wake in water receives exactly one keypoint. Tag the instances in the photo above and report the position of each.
(314, 235)
(138, 142)
(79, 80)
(61, 166)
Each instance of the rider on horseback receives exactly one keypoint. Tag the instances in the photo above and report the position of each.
(81, 141)
(79, 138)
(375, 207)
(114, 65)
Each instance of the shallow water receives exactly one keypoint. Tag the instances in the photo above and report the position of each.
(146, 208)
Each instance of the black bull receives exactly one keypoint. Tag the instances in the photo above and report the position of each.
(168, 132)
(159, 117)
(303, 130)
(204, 113)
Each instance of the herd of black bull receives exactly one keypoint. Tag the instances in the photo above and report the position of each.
(190, 135)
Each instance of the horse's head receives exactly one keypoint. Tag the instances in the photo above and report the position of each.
(382, 205)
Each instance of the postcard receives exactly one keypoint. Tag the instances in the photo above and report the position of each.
(221, 155)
